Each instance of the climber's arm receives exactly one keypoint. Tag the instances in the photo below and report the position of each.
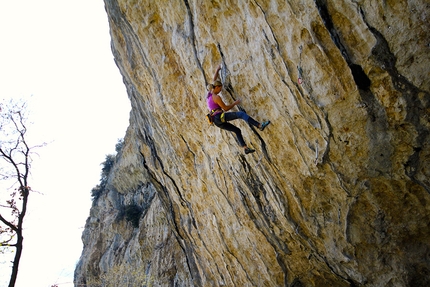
(217, 73)
(217, 99)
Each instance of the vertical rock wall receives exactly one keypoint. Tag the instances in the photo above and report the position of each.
(338, 192)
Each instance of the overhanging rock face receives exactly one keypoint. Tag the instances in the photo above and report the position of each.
(338, 190)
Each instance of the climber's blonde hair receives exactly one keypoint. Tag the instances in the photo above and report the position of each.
(210, 87)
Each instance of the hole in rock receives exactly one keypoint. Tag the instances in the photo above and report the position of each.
(361, 79)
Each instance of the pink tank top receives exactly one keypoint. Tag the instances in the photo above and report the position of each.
(211, 104)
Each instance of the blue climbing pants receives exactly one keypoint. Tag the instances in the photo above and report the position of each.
(230, 116)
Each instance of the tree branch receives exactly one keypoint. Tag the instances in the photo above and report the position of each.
(8, 224)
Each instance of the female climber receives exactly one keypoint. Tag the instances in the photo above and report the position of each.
(221, 119)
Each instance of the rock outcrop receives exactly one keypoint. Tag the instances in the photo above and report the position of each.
(338, 192)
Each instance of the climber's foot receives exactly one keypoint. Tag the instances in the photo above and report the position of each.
(264, 125)
(249, 150)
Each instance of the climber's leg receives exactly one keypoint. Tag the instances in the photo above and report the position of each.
(234, 129)
(241, 115)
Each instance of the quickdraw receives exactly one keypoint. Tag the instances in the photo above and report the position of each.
(299, 68)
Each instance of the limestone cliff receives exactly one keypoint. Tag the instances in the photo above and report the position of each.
(338, 192)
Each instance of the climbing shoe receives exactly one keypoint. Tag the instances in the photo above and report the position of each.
(249, 150)
(264, 125)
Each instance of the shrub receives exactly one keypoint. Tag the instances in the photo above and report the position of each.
(97, 191)
(107, 167)
(119, 145)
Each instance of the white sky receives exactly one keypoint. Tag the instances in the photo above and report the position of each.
(56, 54)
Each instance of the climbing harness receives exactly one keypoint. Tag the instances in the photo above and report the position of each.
(210, 119)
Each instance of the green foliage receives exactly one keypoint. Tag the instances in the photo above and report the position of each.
(106, 169)
(119, 145)
(97, 191)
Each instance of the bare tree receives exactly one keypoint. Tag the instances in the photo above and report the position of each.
(15, 163)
